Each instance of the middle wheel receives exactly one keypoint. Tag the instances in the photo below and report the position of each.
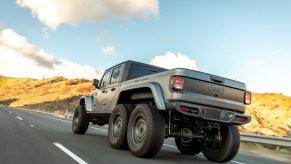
(117, 126)
(146, 131)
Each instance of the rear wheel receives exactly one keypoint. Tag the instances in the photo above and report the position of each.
(146, 131)
(191, 148)
(80, 120)
(226, 149)
(118, 126)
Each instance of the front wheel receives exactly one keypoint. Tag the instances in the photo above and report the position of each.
(80, 120)
(145, 131)
(226, 149)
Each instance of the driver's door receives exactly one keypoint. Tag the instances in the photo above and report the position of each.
(112, 90)
(99, 94)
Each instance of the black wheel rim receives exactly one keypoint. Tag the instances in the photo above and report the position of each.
(139, 130)
(117, 126)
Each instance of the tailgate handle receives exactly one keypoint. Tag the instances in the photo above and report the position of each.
(217, 79)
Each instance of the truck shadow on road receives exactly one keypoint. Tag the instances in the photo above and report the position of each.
(166, 155)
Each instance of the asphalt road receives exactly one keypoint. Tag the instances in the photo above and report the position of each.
(28, 137)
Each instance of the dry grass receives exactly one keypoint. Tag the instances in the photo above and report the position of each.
(271, 115)
(52, 94)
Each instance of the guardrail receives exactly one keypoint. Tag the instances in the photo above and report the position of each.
(68, 115)
(276, 141)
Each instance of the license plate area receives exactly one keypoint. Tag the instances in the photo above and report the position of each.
(211, 113)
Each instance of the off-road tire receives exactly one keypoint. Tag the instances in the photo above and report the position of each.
(227, 149)
(80, 121)
(145, 131)
(117, 129)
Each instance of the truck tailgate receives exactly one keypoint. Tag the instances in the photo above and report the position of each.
(210, 90)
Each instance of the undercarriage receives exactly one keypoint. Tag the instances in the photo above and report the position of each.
(188, 128)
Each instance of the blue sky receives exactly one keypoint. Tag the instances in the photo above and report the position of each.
(245, 40)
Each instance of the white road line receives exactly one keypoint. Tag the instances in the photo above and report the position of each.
(10, 112)
(64, 120)
(175, 147)
(55, 118)
(98, 129)
(67, 151)
(170, 146)
(32, 126)
(49, 117)
(19, 118)
(237, 162)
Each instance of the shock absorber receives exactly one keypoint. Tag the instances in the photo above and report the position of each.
(169, 130)
(218, 128)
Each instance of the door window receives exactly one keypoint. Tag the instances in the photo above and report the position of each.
(106, 79)
(115, 75)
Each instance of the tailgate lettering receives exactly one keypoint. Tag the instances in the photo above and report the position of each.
(216, 90)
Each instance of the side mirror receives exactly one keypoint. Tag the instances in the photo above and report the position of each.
(96, 83)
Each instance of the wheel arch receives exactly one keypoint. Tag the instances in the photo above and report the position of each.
(144, 91)
(88, 102)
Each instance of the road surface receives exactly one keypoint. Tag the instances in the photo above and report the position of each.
(28, 137)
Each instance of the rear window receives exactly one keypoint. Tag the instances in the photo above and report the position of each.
(137, 70)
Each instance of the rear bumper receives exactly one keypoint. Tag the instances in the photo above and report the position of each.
(208, 113)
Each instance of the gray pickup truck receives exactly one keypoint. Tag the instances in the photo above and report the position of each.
(144, 104)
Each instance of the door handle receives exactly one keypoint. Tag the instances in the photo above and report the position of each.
(113, 89)
(104, 91)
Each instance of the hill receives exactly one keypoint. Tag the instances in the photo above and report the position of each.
(271, 113)
(52, 94)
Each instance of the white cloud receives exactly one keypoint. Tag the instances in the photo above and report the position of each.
(55, 12)
(19, 58)
(110, 50)
(45, 32)
(11, 40)
(255, 62)
(171, 60)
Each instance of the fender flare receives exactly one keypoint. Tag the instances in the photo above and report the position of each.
(88, 102)
(156, 91)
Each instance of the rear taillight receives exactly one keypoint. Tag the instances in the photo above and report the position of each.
(183, 109)
(178, 83)
(248, 98)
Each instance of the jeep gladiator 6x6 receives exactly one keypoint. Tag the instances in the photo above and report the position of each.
(144, 104)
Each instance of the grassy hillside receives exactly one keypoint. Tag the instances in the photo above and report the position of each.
(52, 94)
(271, 113)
